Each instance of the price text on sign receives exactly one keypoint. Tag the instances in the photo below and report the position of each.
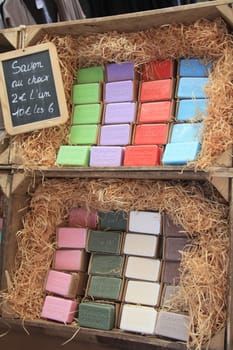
(32, 90)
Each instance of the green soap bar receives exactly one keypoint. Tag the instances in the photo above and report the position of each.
(87, 114)
(90, 75)
(97, 315)
(113, 220)
(103, 264)
(103, 287)
(84, 134)
(104, 241)
(87, 93)
(73, 155)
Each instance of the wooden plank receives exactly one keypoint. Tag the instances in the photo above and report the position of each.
(227, 13)
(130, 22)
(222, 185)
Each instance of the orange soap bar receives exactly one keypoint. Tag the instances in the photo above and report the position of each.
(155, 112)
(158, 70)
(156, 90)
(142, 155)
(151, 134)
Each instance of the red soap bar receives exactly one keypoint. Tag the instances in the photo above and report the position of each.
(155, 112)
(151, 134)
(156, 90)
(158, 70)
(142, 155)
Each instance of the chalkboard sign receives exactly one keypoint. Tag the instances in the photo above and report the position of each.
(32, 93)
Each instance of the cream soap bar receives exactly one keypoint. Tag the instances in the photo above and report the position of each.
(141, 292)
(104, 241)
(172, 325)
(71, 237)
(145, 222)
(59, 309)
(103, 287)
(140, 244)
(143, 268)
(140, 319)
(97, 315)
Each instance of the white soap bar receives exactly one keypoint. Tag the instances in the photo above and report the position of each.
(145, 222)
(146, 269)
(140, 319)
(141, 292)
(172, 325)
(140, 244)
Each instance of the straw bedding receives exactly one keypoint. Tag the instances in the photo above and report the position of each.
(205, 39)
(197, 207)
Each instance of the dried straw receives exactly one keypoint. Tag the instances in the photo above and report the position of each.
(197, 207)
(208, 40)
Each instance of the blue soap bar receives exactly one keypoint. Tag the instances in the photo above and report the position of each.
(186, 132)
(194, 67)
(192, 109)
(192, 87)
(180, 153)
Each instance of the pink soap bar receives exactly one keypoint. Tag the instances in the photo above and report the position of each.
(58, 282)
(115, 135)
(120, 91)
(119, 113)
(83, 217)
(106, 156)
(71, 237)
(59, 309)
(70, 260)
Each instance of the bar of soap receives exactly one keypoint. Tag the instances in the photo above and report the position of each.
(192, 88)
(141, 292)
(170, 229)
(115, 135)
(146, 269)
(70, 260)
(71, 237)
(106, 156)
(158, 70)
(73, 155)
(186, 132)
(104, 241)
(87, 114)
(120, 91)
(141, 244)
(192, 109)
(119, 71)
(140, 319)
(149, 155)
(145, 222)
(104, 287)
(87, 93)
(155, 112)
(194, 67)
(113, 220)
(156, 90)
(180, 153)
(104, 264)
(169, 292)
(85, 134)
(173, 246)
(172, 325)
(120, 113)
(83, 217)
(65, 284)
(171, 274)
(151, 134)
(59, 309)
(90, 75)
(97, 315)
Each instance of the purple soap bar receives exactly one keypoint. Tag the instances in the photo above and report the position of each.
(119, 71)
(120, 91)
(106, 156)
(115, 135)
(120, 112)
